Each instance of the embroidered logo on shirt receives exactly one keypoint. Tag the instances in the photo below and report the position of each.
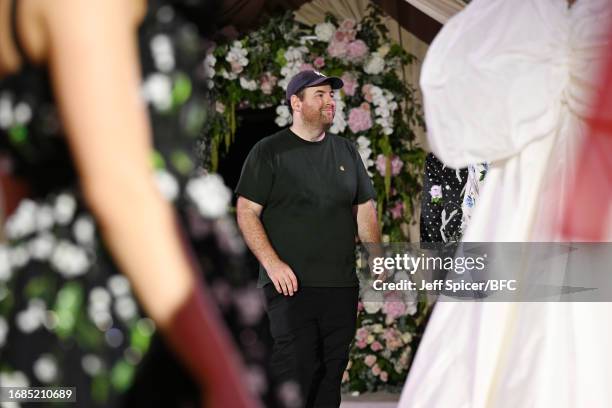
(342, 168)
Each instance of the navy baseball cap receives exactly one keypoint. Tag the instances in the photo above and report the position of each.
(307, 79)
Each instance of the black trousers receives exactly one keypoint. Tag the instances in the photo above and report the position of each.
(312, 332)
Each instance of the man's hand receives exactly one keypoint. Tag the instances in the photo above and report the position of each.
(282, 277)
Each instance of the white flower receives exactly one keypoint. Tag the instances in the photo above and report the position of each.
(6, 271)
(248, 84)
(84, 230)
(3, 331)
(18, 256)
(119, 285)
(209, 194)
(372, 307)
(65, 206)
(102, 319)
(325, 31)
(125, 308)
(6, 111)
(163, 55)
(237, 56)
(167, 184)
(228, 75)
(284, 116)
(23, 221)
(45, 368)
(41, 247)
(374, 65)
(44, 217)
(91, 364)
(157, 90)
(339, 123)
(209, 69)
(69, 260)
(32, 317)
(209, 65)
(14, 379)
(363, 147)
(23, 113)
(100, 298)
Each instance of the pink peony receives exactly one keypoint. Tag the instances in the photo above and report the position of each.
(369, 360)
(376, 370)
(337, 49)
(350, 83)
(361, 344)
(306, 67)
(394, 309)
(356, 51)
(384, 376)
(319, 62)
(381, 165)
(376, 346)
(359, 120)
(397, 210)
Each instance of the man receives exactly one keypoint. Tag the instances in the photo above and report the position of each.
(304, 195)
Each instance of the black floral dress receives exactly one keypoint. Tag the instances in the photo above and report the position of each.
(441, 205)
(67, 316)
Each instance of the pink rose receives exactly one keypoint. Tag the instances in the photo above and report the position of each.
(365, 90)
(361, 344)
(236, 67)
(376, 346)
(356, 50)
(268, 82)
(397, 210)
(369, 360)
(350, 83)
(362, 333)
(319, 62)
(359, 120)
(359, 306)
(384, 376)
(381, 165)
(376, 370)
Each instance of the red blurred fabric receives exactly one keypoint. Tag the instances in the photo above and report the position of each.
(591, 193)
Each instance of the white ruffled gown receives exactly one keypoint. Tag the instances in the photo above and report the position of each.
(509, 82)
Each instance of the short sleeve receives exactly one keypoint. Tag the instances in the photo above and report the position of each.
(365, 190)
(257, 176)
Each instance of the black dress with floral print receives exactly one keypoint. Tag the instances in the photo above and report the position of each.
(441, 201)
(67, 316)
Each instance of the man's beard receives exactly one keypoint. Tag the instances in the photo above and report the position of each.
(318, 120)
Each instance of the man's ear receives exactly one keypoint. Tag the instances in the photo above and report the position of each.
(296, 103)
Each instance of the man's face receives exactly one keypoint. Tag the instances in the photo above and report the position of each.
(318, 106)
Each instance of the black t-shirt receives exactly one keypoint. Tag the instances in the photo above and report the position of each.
(308, 190)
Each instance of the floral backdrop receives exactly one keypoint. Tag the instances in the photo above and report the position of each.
(376, 109)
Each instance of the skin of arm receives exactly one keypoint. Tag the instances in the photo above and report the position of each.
(281, 275)
(368, 231)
